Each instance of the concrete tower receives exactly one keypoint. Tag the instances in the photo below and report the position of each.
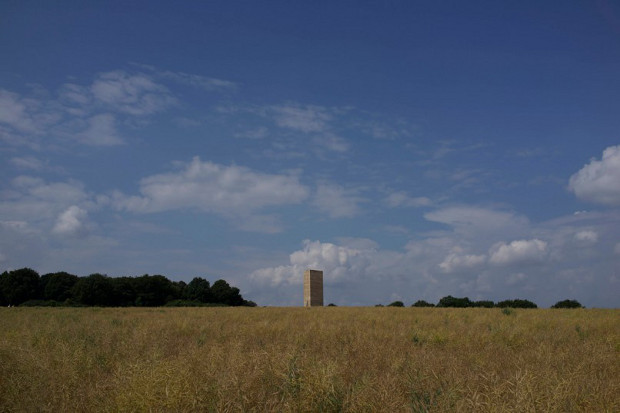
(313, 288)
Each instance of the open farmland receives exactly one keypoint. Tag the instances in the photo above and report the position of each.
(317, 359)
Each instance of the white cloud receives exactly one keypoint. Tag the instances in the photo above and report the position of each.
(587, 236)
(402, 199)
(206, 83)
(56, 192)
(71, 222)
(284, 274)
(337, 201)
(209, 187)
(481, 223)
(27, 162)
(515, 279)
(337, 262)
(101, 131)
(599, 181)
(521, 251)
(332, 142)
(75, 94)
(457, 261)
(435, 264)
(255, 133)
(23, 118)
(15, 113)
(32, 199)
(82, 114)
(136, 94)
(302, 118)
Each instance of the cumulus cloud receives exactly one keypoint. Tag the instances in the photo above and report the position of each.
(434, 264)
(71, 222)
(85, 114)
(520, 251)
(209, 187)
(599, 181)
(306, 119)
(402, 199)
(338, 263)
(457, 261)
(13, 112)
(27, 162)
(514, 279)
(332, 142)
(57, 192)
(74, 94)
(32, 198)
(337, 201)
(101, 131)
(24, 117)
(135, 94)
(480, 223)
(587, 237)
(203, 82)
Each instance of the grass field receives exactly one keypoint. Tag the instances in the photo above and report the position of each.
(318, 359)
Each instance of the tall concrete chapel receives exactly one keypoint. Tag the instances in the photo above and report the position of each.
(313, 288)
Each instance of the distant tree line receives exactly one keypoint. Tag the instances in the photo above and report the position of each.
(465, 302)
(26, 287)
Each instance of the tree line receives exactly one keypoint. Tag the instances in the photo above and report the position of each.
(26, 287)
(465, 302)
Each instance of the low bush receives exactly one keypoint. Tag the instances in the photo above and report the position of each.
(567, 304)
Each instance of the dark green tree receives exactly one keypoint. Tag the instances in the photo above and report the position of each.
(153, 290)
(518, 303)
(422, 303)
(199, 289)
(483, 303)
(123, 292)
(223, 293)
(567, 304)
(3, 301)
(96, 290)
(178, 288)
(450, 301)
(18, 286)
(396, 304)
(57, 286)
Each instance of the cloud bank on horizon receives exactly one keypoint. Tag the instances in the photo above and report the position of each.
(493, 174)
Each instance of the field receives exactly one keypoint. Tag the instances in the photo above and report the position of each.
(317, 359)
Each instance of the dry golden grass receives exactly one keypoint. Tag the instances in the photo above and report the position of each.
(317, 359)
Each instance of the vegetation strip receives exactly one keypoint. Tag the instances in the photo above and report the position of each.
(309, 359)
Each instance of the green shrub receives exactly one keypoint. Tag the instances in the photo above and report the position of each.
(567, 304)
(422, 303)
(516, 304)
(450, 301)
(507, 311)
(483, 303)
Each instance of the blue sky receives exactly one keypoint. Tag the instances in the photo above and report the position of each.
(411, 150)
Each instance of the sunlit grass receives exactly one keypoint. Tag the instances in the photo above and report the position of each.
(317, 359)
